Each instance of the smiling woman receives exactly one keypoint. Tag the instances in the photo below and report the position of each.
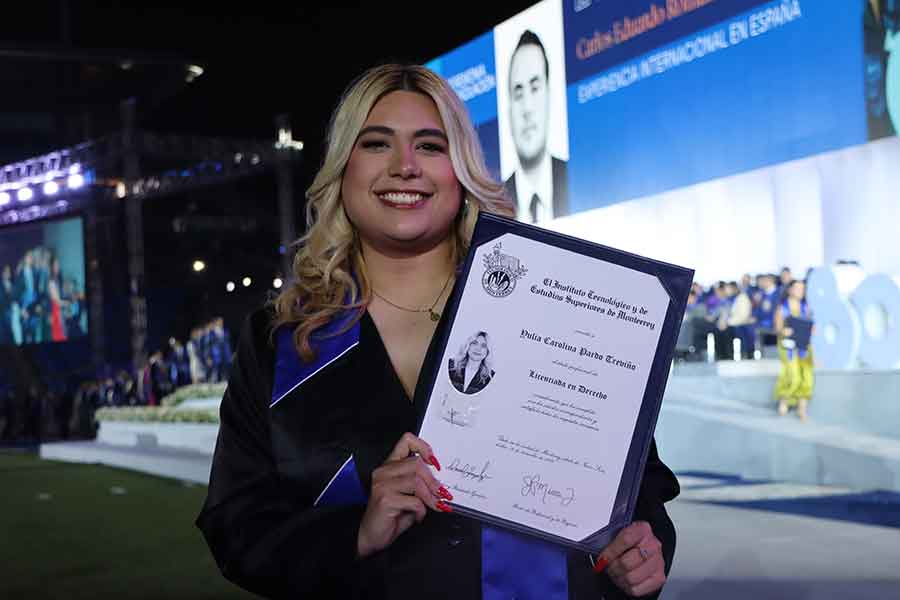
(399, 188)
(376, 156)
(318, 487)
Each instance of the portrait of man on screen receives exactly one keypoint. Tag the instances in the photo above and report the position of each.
(538, 185)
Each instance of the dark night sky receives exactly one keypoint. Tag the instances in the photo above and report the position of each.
(261, 58)
(61, 82)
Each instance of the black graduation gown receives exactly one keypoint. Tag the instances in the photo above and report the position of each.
(273, 461)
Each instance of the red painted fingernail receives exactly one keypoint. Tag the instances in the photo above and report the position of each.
(445, 493)
(434, 461)
(441, 505)
(600, 565)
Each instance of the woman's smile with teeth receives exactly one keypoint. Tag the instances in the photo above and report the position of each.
(402, 197)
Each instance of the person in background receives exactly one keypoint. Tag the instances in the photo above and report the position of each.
(225, 341)
(694, 327)
(765, 303)
(126, 389)
(94, 400)
(747, 284)
(55, 303)
(26, 292)
(739, 319)
(74, 315)
(160, 384)
(80, 422)
(195, 357)
(206, 345)
(216, 351)
(785, 277)
(718, 307)
(179, 364)
(794, 386)
(9, 308)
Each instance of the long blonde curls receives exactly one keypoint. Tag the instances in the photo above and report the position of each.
(329, 274)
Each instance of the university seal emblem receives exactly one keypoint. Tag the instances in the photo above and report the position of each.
(501, 273)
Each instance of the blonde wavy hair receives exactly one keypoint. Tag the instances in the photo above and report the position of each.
(329, 273)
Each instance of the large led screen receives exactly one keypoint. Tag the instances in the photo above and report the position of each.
(42, 290)
(731, 136)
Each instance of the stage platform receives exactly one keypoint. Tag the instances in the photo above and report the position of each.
(721, 418)
(717, 418)
(178, 450)
(186, 465)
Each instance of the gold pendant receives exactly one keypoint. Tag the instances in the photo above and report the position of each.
(434, 316)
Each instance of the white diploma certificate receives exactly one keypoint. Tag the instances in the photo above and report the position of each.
(548, 386)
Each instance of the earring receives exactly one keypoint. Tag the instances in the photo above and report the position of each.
(463, 206)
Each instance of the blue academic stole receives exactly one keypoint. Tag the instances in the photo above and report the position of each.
(291, 372)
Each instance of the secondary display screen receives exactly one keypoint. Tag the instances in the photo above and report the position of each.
(42, 283)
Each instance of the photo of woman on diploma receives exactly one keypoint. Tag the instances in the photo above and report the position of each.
(472, 368)
(319, 488)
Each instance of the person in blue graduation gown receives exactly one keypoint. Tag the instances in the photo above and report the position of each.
(319, 487)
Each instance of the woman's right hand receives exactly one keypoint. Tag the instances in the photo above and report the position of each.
(403, 489)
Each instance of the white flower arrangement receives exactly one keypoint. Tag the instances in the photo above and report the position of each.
(167, 412)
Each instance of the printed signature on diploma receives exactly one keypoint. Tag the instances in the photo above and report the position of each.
(543, 454)
(468, 471)
(554, 519)
(470, 492)
(533, 485)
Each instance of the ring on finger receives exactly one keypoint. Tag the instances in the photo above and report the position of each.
(645, 554)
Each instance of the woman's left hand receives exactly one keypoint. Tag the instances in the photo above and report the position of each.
(634, 560)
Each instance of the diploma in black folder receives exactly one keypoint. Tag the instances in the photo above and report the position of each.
(801, 330)
(551, 374)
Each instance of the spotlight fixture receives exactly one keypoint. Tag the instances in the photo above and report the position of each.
(286, 140)
(229, 287)
(277, 283)
(5, 198)
(246, 281)
(199, 265)
(192, 73)
(75, 181)
(24, 194)
(50, 188)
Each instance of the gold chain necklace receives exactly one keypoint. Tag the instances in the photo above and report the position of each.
(435, 316)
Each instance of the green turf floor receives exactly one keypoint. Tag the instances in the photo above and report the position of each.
(83, 531)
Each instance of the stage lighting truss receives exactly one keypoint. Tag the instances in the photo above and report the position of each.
(100, 164)
(34, 212)
(35, 172)
(32, 189)
(205, 161)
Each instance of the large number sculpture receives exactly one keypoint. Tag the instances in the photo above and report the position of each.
(857, 318)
